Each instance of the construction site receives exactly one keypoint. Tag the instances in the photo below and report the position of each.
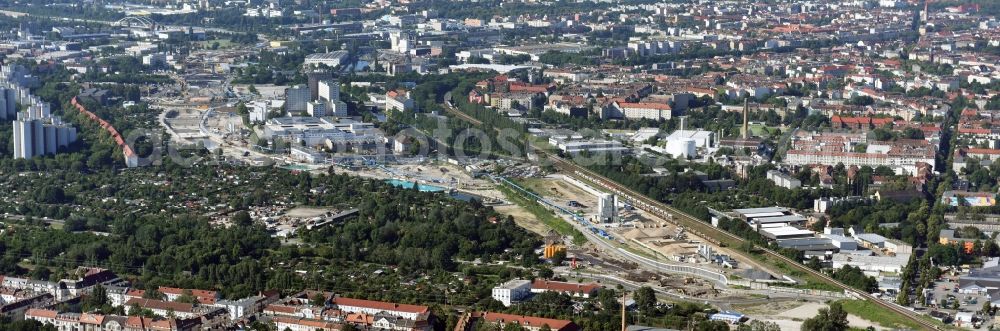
(641, 236)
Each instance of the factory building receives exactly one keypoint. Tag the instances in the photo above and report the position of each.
(701, 138)
(681, 148)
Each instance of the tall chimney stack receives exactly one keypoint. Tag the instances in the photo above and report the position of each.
(746, 118)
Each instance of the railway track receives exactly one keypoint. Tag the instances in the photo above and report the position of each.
(710, 233)
(696, 226)
(465, 117)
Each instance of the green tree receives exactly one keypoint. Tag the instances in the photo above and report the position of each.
(856, 278)
(242, 218)
(814, 263)
(758, 325)
(513, 327)
(135, 310)
(558, 257)
(645, 300)
(318, 299)
(861, 100)
(187, 297)
(42, 273)
(882, 134)
(903, 298)
(152, 294)
(712, 326)
(833, 318)
(97, 298)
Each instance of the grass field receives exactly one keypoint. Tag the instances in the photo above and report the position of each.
(544, 215)
(877, 314)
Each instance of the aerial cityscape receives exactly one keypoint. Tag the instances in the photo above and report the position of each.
(481, 165)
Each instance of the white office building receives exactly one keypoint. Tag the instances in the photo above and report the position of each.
(512, 291)
(316, 108)
(27, 138)
(258, 111)
(783, 180)
(400, 42)
(321, 131)
(239, 308)
(329, 91)
(398, 100)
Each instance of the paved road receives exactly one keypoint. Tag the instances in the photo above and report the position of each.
(53, 223)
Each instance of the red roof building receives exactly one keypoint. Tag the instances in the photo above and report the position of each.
(527, 322)
(373, 307)
(572, 289)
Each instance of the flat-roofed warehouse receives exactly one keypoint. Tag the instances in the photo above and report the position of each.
(781, 232)
(786, 219)
(747, 213)
(332, 59)
(769, 215)
(809, 244)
